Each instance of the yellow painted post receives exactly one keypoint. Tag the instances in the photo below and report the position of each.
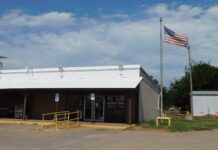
(56, 121)
(68, 118)
(77, 115)
(157, 121)
(163, 118)
(169, 122)
(54, 115)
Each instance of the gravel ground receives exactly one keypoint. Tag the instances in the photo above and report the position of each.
(28, 137)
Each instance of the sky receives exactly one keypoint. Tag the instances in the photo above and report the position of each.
(67, 33)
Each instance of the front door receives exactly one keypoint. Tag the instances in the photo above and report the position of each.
(98, 108)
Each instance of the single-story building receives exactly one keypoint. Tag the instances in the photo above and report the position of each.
(205, 103)
(121, 94)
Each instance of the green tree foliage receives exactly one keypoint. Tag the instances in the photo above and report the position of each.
(205, 77)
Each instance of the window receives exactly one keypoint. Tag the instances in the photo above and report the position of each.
(115, 108)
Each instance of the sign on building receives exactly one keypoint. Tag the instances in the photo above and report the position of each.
(57, 97)
(92, 96)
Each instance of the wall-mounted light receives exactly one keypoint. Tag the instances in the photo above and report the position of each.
(121, 70)
(120, 67)
(29, 70)
(61, 69)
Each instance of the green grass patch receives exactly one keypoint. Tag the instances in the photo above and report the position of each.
(181, 125)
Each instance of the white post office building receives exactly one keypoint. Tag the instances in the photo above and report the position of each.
(121, 94)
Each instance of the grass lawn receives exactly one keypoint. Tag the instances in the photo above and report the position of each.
(181, 125)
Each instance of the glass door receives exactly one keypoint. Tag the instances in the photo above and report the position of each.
(87, 108)
(98, 108)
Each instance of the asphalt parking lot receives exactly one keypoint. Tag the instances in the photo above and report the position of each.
(26, 137)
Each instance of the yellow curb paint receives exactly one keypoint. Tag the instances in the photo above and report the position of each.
(28, 122)
(47, 124)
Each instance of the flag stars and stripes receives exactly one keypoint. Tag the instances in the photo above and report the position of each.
(174, 38)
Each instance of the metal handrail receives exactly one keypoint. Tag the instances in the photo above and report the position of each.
(66, 117)
(53, 113)
(79, 115)
(64, 114)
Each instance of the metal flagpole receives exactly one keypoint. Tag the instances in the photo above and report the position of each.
(190, 75)
(161, 69)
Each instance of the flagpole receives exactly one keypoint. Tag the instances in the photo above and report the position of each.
(190, 76)
(161, 68)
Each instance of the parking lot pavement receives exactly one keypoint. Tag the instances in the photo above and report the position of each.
(28, 137)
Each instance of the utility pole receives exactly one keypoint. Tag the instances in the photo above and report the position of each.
(190, 76)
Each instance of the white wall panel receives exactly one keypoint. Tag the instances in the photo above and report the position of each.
(204, 105)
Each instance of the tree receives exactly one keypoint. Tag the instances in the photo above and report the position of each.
(205, 77)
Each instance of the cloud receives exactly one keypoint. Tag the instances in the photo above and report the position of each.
(159, 9)
(65, 39)
(18, 18)
(116, 16)
(174, 12)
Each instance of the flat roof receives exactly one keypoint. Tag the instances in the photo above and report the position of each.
(117, 83)
(85, 68)
(119, 76)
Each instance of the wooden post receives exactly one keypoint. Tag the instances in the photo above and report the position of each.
(93, 111)
(25, 94)
(24, 107)
(130, 111)
(56, 106)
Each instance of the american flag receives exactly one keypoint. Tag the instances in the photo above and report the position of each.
(174, 38)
